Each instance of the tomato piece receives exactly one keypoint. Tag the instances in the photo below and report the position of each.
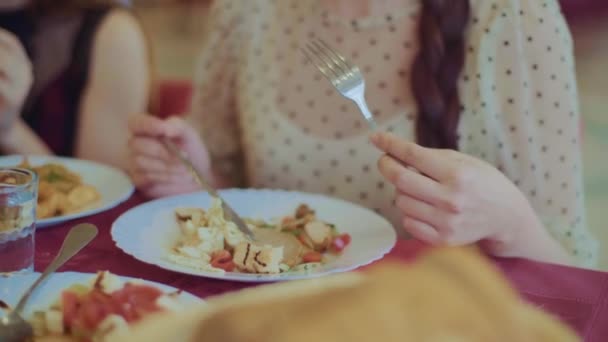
(90, 314)
(134, 301)
(312, 256)
(340, 242)
(95, 307)
(223, 260)
(84, 313)
(69, 307)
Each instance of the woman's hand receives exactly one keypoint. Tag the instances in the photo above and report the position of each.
(455, 199)
(15, 80)
(154, 170)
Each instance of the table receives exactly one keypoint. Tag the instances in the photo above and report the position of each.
(579, 297)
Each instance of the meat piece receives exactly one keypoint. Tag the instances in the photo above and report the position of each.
(255, 259)
(292, 248)
(319, 233)
(303, 210)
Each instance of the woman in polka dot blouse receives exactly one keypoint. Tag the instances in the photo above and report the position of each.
(493, 80)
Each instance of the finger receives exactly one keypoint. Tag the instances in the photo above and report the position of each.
(143, 180)
(8, 41)
(145, 164)
(16, 69)
(6, 65)
(10, 45)
(5, 88)
(425, 160)
(180, 174)
(414, 184)
(421, 231)
(149, 147)
(177, 128)
(148, 172)
(6, 94)
(169, 189)
(147, 125)
(420, 210)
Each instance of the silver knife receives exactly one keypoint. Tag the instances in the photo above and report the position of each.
(229, 213)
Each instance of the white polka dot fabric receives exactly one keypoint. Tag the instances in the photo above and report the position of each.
(259, 101)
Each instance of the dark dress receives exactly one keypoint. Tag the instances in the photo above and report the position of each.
(59, 47)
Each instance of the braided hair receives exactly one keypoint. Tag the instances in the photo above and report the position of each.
(436, 70)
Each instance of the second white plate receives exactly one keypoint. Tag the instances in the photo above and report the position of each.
(114, 185)
(13, 287)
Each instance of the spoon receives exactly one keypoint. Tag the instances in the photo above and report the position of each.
(13, 328)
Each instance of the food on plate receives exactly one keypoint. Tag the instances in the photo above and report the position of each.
(99, 310)
(296, 242)
(60, 190)
(445, 295)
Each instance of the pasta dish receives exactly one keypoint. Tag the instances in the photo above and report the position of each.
(60, 190)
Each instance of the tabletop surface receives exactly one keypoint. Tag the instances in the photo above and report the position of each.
(579, 297)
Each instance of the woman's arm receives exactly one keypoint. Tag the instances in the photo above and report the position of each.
(213, 116)
(522, 87)
(22, 140)
(119, 84)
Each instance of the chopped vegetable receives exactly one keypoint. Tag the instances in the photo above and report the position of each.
(312, 256)
(223, 260)
(340, 242)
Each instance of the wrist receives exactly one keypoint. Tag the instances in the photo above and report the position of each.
(513, 240)
(529, 240)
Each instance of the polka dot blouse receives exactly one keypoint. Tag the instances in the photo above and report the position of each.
(267, 114)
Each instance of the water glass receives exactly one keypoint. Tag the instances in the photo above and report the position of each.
(18, 196)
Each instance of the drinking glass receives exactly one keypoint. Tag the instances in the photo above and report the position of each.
(18, 196)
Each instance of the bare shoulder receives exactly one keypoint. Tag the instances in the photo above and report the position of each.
(120, 29)
(120, 48)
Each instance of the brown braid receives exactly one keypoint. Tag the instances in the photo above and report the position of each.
(436, 69)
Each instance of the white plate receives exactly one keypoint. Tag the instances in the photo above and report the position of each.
(114, 185)
(149, 231)
(11, 289)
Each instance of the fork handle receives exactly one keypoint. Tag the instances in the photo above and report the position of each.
(362, 104)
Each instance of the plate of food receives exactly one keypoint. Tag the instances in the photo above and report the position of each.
(298, 235)
(73, 306)
(72, 188)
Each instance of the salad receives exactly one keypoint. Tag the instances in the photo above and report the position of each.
(97, 311)
(298, 241)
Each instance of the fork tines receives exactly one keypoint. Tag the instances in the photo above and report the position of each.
(329, 62)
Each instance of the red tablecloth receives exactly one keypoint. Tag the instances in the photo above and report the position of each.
(579, 297)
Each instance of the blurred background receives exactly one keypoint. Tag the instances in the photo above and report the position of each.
(175, 26)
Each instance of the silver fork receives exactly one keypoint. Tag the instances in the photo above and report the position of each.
(342, 74)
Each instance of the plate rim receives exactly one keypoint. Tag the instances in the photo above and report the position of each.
(53, 221)
(189, 296)
(258, 278)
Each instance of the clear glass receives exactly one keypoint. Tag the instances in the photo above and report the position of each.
(18, 196)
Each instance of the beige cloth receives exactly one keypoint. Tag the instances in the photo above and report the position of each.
(260, 102)
(449, 295)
